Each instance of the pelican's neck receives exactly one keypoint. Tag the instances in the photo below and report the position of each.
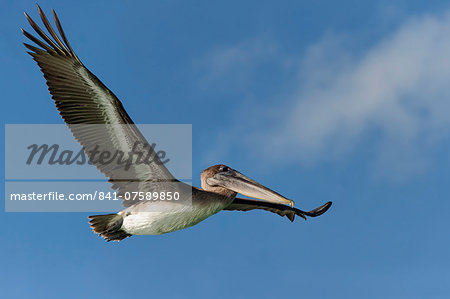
(220, 191)
(219, 196)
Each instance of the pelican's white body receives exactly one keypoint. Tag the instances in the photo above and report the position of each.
(165, 218)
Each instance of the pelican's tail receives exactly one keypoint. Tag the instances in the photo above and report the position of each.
(108, 226)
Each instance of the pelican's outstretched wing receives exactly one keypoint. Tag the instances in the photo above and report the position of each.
(83, 100)
(246, 204)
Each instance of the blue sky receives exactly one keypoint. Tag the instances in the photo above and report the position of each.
(321, 100)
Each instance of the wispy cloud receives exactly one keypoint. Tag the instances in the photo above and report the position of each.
(235, 65)
(393, 97)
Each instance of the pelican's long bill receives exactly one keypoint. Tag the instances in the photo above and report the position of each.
(236, 181)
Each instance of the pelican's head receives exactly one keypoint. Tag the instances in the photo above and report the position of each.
(227, 181)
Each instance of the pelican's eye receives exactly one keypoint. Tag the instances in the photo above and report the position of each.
(224, 168)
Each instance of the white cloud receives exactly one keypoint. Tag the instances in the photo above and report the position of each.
(234, 65)
(393, 97)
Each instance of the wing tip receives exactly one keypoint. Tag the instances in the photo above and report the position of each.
(320, 210)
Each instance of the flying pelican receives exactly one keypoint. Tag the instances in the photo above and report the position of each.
(83, 100)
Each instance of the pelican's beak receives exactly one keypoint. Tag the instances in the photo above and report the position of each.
(236, 181)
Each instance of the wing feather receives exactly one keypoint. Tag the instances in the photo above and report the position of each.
(83, 100)
(246, 204)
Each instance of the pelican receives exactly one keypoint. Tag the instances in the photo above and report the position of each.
(83, 100)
